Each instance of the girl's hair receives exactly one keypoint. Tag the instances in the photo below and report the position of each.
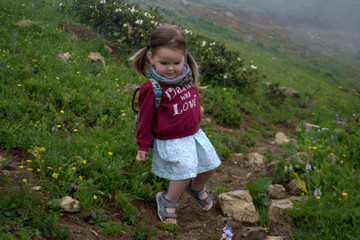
(169, 36)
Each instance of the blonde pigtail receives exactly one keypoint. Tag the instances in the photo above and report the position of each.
(140, 61)
(194, 68)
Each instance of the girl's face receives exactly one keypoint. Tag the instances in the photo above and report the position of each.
(168, 62)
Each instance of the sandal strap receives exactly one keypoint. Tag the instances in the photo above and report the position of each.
(196, 194)
(167, 203)
(163, 203)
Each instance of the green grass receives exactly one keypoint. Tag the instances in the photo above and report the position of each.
(74, 118)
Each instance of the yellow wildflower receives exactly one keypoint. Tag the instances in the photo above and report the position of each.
(24, 180)
(314, 148)
(75, 130)
(95, 197)
(62, 111)
(73, 168)
(318, 197)
(81, 178)
(38, 169)
(344, 194)
(49, 168)
(29, 161)
(21, 166)
(19, 85)
(110, 153)
(30, 169)
(42, 149)
(55, 175)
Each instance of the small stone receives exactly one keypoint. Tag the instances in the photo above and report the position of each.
(36, 188)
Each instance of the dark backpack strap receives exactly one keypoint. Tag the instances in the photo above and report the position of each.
(157, 93)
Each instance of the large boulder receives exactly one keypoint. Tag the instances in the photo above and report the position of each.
(238, 205)
(276, 211)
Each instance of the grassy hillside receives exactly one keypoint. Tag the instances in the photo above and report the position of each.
(66, 126)
(296, 64)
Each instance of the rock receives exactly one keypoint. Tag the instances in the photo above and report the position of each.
(25, 23)
(291, 92)
(276, 191)
(275, 238)
(96, 57)
(281, 138)
(298, 157)
(208, 120)
(308, 126)
(293, 187)
(64, 56)
(277, 150)
(131, 86)
(253, 233)
(239, 206)
(36, 188)
(186, 3)
(257, 161)
(69, 204)
(229, 14)
(238, 155)
(276, 211)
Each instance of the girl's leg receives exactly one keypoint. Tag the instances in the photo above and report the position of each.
(176, 187)
(199, 181)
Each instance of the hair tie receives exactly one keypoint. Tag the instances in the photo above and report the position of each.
(148, 46)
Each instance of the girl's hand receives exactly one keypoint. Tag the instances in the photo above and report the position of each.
(141, 156)
(202, 111)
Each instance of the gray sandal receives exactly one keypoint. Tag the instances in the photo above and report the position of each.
(162, 204)
(201, 202)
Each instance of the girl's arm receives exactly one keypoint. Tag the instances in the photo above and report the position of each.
(146, 116)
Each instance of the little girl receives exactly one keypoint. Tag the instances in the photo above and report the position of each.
(181, 153)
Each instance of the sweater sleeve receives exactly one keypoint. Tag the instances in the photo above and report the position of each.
(146, 116)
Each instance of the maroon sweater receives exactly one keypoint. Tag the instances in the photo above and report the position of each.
(178, 116)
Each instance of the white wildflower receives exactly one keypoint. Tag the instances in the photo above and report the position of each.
(268, 83)
(212, 44)
(203, 43)
(225, 76)
(244, 69)
(125, 25)
(253, 67)
(291, 168)
(139, 22)
(132, 10)
(103, 1)
(239, 59)
(118, 10)
(146, 14)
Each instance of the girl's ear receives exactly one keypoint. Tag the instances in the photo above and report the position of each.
(151, 57)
